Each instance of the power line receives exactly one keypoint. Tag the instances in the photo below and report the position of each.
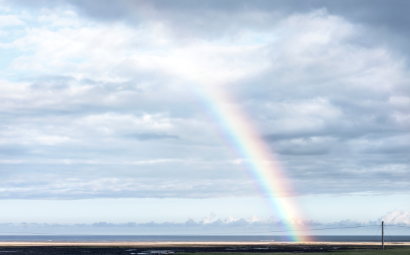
(284, 231)
(388, 234)
(374, 238)
(264, 232)
(401, 226)
(343, 227)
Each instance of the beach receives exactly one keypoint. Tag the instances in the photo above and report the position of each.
(197, 244)
(199, 248)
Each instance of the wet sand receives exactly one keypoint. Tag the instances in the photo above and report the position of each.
(166, 248)
(195, 244)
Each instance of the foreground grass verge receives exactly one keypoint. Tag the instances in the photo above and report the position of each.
(392, 251)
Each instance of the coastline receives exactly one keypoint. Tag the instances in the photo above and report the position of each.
(192, 244)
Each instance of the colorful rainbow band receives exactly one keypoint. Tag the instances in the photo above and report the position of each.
(260, 162)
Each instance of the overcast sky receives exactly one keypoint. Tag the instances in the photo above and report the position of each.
(101, 108)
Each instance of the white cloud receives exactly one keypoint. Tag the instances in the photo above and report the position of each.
(147, 122)
(211, 225)
(57, 187)
(209, 219)
(399, 101)
(93, 93)
(230, 219)
(10, 20)
(397, 217)
(255, 218)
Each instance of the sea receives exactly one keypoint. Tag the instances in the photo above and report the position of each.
(193, 238)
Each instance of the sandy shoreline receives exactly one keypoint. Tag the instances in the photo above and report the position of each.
(192, 244)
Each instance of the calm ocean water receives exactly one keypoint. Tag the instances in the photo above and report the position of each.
(180, 238)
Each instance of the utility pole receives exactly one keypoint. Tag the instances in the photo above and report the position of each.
(383, 235)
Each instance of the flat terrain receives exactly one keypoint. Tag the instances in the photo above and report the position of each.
(198, 244)
(200, 248)
(393, 251)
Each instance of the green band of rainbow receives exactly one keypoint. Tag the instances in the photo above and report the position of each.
(260, 162)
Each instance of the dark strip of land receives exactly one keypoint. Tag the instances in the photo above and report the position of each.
(199, 248)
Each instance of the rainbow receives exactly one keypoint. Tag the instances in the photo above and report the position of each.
(260, 161)
(249, 145)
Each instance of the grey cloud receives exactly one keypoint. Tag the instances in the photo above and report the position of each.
(243, 226)
(147, 136)
(12, 150)
(322, 106)
(388, 19)
(391, 14)
(58, 186)
(53, 95)
(303, 150)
